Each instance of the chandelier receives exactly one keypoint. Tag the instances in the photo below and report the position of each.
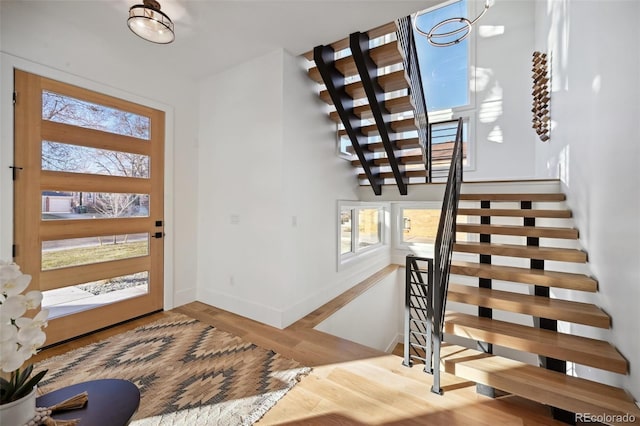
(435, 38)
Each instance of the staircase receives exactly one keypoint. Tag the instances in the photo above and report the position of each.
(365, 80)
(512, 280)
(517, 319)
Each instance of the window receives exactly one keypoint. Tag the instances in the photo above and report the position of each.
(361, 228)
(346, 240)
(445, 71)
(369, 227)
(447, 79)
(417, 224)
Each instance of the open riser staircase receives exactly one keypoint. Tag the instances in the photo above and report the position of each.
(519, 310)
(372, 86)
(512, 319)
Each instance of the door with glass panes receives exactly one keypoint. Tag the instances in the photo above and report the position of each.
(88, 204)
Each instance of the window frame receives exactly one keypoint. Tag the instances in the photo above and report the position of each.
(398, 222)
(400, 249)
(356, 251)
(469, 111)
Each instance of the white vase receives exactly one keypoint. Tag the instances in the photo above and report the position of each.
(19, 412)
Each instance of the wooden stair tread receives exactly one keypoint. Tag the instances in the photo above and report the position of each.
(537, 306)
(399, 104)
(527, 276)
(402, 159)
(553, 196)
(400, 144)
(525, 231)
(404, 125)
(394, 106)
(538, 384)
(529, 252)
(582, 350)
(389, 82)
(560, 214)
(397, 126)
(408, 143)
(389, 175)
(392, 82)
(383, 55)
(376, 32)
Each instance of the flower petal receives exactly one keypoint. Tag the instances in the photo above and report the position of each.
(42, 317)
(16, 285)
(8, 333)
(34, 298)
(8, 271)
(13, 307)
(11, 358)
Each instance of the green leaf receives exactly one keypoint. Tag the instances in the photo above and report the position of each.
(6, 389)
(20, 384)
(22, 377)
(27, 387)
(4, 383)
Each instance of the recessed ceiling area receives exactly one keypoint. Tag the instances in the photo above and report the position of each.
(211, 35)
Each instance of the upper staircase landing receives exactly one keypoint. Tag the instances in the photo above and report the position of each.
(369, 97)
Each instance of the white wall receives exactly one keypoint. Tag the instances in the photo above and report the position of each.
(375, 319)
(30, 40)
(595, 149)
(269, 185)
(504, 39)
(240, 193)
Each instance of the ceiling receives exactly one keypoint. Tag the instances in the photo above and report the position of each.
(211, 35)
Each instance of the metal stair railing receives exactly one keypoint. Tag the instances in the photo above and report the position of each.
(412, 68)
(426, 300)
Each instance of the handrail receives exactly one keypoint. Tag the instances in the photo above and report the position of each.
(434, 300)
(442, 138)
(406, 41)
(445, 240)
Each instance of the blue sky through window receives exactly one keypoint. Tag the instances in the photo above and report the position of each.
(444, 70)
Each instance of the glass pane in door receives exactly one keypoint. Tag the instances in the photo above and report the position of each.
(65, 109)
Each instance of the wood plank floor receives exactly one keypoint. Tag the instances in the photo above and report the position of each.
(350, 384)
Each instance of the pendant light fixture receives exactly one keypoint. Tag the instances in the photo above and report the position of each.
(147, 21)
(450, 38)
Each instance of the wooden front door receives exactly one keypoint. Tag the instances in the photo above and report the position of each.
(88, 204)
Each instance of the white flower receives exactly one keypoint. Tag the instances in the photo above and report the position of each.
(34, 298)
(12, 285)
(10, 356)
(8, 271)
(30, 341)
(8, 332)
(20, 336)
(27, 326)
(13, 307)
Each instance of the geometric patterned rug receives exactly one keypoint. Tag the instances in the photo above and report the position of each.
(188, 372)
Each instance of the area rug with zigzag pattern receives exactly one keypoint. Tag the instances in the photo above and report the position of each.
(188, 372)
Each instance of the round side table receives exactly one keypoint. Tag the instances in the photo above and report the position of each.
(112, 402)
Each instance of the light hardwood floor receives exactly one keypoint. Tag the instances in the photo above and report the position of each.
(350, 384)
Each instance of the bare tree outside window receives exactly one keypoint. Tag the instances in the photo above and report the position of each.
(63, 157)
